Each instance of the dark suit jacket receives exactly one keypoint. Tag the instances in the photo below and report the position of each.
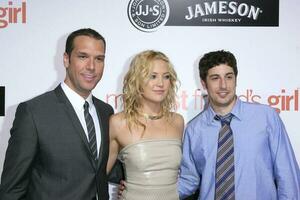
(48, 157)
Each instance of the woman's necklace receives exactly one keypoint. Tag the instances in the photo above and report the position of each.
(152, 117)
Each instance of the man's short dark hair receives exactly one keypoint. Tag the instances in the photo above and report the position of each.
(82, 32)
(215, 58)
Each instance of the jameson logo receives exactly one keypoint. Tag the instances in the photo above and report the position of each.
(209, 9)
(223, 13)
(148, 15)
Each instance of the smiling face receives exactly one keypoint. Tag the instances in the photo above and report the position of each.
(85, 64)
(157, 85)
(220, 84)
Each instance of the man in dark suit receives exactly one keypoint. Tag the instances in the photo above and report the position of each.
(58, 149)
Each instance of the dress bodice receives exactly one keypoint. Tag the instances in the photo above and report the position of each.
(151, 166)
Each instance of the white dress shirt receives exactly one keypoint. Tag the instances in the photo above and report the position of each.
(77, 102)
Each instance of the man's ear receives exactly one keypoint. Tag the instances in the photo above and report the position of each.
(66, 60)
(203, 84)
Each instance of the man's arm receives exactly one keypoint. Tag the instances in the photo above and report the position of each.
(189, 179)
(286, 169)
(20, 154)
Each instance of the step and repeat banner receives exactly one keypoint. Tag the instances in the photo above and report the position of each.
(263, 35)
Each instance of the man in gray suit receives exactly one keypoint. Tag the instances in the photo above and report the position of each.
(58, 149)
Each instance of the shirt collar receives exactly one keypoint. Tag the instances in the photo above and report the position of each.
(76, 100)
(236, 111)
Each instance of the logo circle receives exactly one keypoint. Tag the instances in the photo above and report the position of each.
(148, 15)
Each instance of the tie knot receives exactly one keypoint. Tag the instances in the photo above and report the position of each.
(224, 119)
(86, 106)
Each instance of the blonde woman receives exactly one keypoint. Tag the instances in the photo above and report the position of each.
(146, 136)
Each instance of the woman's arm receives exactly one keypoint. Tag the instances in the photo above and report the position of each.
(113, 144)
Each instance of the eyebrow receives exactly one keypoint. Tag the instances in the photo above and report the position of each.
(100, 56)
(163, 73)
(84, 53)
(229, 73)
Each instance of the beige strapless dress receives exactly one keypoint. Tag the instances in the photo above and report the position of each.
(151, 169)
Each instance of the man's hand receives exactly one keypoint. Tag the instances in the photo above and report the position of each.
(121, 188)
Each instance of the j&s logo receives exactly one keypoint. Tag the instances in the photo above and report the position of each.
(12, 13)
(148, 15)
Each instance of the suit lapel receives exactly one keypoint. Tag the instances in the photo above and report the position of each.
(67, 106)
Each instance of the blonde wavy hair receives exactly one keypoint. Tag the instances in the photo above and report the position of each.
(134, 80)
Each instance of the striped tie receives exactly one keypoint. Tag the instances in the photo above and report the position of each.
(91, 130)
(225, 161)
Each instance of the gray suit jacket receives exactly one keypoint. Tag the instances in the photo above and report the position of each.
(48, 157)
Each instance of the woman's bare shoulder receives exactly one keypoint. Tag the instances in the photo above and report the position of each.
(118, 116)
(178, 118)
(117, 121)
(178, 123)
